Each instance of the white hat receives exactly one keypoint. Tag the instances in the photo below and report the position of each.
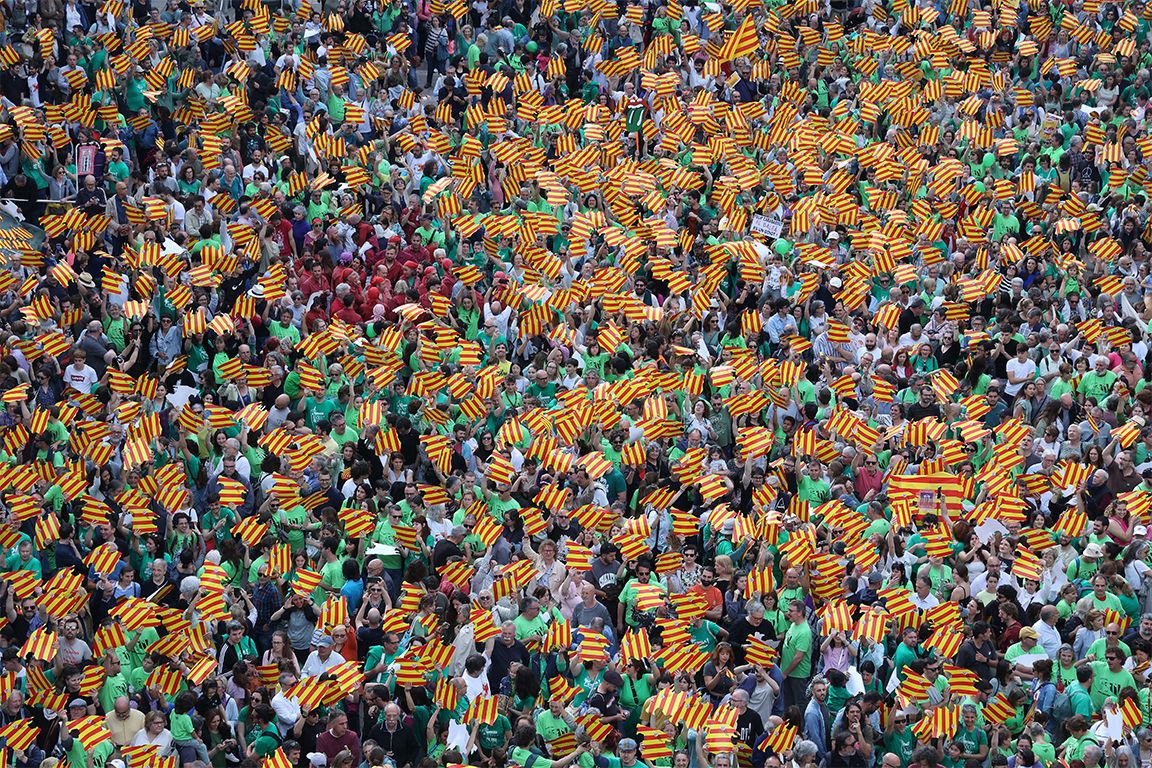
(1140, 530)
(833, 235)
(317, 758)
(1093, 550)
(835, 282)
(256, 291)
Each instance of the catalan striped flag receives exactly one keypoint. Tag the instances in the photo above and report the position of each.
(19, 734)
(578, 558)
(559, 637)
(945, 641)
(942, 722)
(103, 560)
(1072, 523)
(837, 617)
(553, 497)
(1027, 565)
(232, 492)
(914, 688)
(446, 696)
(635, 645)
(654, 744)
(250, 530)
(1123, 621)
(778, 740)
(482, 709)
(759, 652)
(334, 612)
(437, 653)
(559, 689)
(277, 759)
(306, 581)
(712, 488)
(1130, 711)
(91, 730)
(91, 679)
(837, 332)
(883, 390)
(962, 682)
(720, 739)
(41, 645)
(998, 710)
(280, 559)
(108, 637)
(683, 658)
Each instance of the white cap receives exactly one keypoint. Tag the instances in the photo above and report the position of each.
(317, 758)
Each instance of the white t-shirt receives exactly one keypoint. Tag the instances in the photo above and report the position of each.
(80, 380)
(1018, 369)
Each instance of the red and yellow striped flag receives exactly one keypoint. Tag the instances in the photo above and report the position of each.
(482, 709)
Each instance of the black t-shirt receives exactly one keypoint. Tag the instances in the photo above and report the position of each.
(854, 760)
(749, 727)
(918, 411)
(742, 630)
(445, 550)
(607, 704)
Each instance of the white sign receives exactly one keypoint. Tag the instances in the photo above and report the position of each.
(769, 227)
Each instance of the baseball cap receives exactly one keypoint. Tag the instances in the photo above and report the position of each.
(1028, 632)
(612, 677)
(627, 744)
(325, 641)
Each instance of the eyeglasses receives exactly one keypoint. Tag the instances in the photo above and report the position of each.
(1112, 658)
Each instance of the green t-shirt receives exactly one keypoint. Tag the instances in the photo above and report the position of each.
(1107, 684)
(525, 627)
(1096, 385)
(971, 741)
(549, 726)
(492, 736)
(901, 744)
(78, 755)
(266, 743)
(331, 575)
(522, 757)
(181, 726)
(278, 331)
(113, 688)
(798, 638)
(1074, 748)
(319, 410)
(296, 515)
(814, 491)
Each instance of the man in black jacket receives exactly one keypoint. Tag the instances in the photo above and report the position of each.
(396, 738)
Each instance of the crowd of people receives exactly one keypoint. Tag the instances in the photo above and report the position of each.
(679, 384)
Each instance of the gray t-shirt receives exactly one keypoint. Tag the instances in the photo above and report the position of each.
(582, 616)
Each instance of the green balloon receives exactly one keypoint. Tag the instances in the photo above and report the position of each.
(979, 185)
(782, 247)
(531, 47)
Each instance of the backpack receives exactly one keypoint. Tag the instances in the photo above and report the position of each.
(1061, 707)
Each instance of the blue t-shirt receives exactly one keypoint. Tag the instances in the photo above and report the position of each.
(354, 591)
